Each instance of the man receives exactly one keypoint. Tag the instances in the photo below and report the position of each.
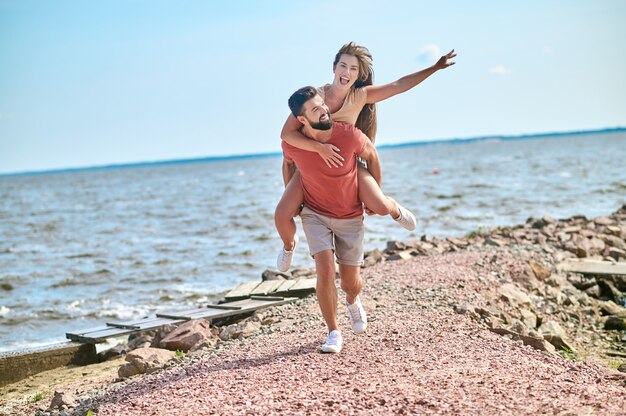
(332, 217)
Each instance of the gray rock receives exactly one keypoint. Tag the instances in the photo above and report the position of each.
(395, 246)
(62, 399)
(552, 332)
(615, 323)
(616, 253)
(141, 341)
(603, 221)
(464, 308)
(593, 291)
(609, 291)
(269, 274)
(528, 318)
(492, 241)
(402, 255)
(611, 308)
(239, 330)
(372, 257)
(514, 295)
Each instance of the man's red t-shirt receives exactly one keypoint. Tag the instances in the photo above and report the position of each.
(329, 191)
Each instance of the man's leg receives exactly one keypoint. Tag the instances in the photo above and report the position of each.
(351, 282)
(326, 290)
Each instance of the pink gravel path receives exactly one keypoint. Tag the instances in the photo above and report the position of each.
(418, 357)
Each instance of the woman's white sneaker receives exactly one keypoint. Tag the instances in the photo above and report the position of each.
(357, 316)
(333, 342)
(283, 263)
(406, 218)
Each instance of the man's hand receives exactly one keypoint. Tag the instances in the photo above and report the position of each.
(443, 62)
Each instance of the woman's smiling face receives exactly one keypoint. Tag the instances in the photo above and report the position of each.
(346, 71)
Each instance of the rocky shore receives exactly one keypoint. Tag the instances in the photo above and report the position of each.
(482, 324)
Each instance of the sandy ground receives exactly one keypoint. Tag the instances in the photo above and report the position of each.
(417, 357)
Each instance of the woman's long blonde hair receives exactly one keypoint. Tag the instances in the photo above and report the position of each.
(366, 122)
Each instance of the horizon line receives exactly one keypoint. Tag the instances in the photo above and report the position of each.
(276, 154)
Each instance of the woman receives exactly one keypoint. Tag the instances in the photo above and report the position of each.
(351, 98)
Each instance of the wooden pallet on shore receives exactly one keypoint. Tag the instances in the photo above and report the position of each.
(592, 267)
(116, 329)
(295, 287)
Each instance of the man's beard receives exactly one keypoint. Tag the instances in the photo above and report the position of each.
(322, 125)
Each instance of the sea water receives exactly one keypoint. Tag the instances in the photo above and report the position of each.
(85, 247)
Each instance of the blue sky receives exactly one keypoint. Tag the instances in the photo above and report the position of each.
(86, 83)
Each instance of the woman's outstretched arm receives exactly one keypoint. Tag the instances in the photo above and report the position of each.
(376, 93)
(292, 135)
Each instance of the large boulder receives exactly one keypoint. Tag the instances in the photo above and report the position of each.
(186, 336)
(145, 360)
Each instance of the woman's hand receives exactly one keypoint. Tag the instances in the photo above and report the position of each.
(330, 154)
(443, 63)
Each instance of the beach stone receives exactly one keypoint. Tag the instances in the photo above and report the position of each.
(609, 291)
(492, 241)
(112, 353)
(616, 253)
(239, 330)
(581, 282)
(540, 271)
(622, 368)
(187, 335)
(593, 291)
(161, 333)
(614, 241)
(518, 327)
(611, 308)
(395, 246)
(528, 318)
(372, 257)
(142, 341)
(552, 332)
(403, 255)
(514, 295)
(270, 274)
(614, 230)
(615, 323)
(145, 360)
(464, 308)
(62, 399)
(603, 221)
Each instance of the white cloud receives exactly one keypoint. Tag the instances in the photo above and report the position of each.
(499, 70)
(429, 53)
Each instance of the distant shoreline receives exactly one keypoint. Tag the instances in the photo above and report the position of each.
(277, 154)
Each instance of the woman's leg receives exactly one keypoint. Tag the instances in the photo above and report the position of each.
(374, 200)
(287, 208)
(372, 196)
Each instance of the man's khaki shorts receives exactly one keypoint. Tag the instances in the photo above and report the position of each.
(344, 237)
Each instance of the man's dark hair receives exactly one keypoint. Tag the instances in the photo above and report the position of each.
(298, 98)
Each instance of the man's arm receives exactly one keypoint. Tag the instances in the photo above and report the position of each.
(289, 169)
(376, 93)
(370, 155)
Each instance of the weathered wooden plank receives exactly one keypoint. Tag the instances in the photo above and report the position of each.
(122, 325)
(266, 287)
(592, 267)
(98, 335)
(304, 285)
(242, 290)
(284, 287)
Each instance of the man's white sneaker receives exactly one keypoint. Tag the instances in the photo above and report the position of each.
(358, 318)
(333, 342)
(406, 218)
(285, 256)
